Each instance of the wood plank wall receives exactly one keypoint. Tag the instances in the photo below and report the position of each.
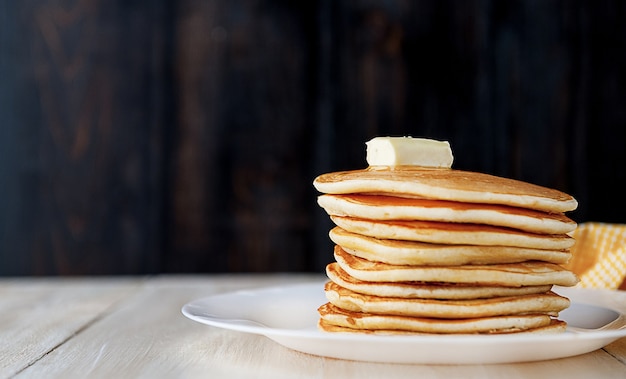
(183, 136)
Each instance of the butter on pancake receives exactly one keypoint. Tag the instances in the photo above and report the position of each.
(445, 184)
(426, 290)
(399, 252)
(399, 208)
(408, 151)
(529, 273)
(335, 316)
(547, 303)
(452, 233)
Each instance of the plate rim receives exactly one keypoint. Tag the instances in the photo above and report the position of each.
(280, 335)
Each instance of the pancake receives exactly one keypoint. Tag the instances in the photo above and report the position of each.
(451, 233)
(333, 315)
(546, 303)
(443, 251)
(445, 184)
(530, 273)
(399, 208)
(555, 326)
(449, 291)
(398, 252)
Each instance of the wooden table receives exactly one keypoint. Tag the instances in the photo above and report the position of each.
(133, 327)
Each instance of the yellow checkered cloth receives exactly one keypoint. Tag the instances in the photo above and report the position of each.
(599, 255)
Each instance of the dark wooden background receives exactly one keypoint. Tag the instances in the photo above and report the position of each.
(183, 136)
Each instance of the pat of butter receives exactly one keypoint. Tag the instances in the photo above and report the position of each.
(408, 151)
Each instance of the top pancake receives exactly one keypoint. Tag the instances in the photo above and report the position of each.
(445, 184)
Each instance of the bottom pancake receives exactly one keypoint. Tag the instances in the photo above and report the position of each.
(333, 315)
(408, 327)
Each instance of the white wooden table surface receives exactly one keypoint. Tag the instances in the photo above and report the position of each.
(133, 328)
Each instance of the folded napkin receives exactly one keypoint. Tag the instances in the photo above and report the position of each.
(599, 255)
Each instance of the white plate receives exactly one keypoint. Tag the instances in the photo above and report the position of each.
(288, 315)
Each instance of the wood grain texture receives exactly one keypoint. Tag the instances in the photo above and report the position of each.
(145, 335)
(38, 316)
(85, 192)
(241, 184)
(183, 136)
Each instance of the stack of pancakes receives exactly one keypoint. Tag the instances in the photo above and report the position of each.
(425, 250)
